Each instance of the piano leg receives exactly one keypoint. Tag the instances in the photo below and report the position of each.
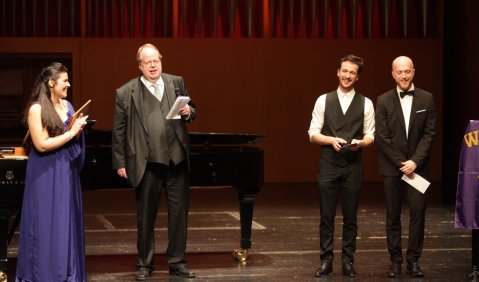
(246, 202)
(3, 247)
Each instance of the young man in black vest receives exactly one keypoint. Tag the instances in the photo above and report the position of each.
(152, 153)
(342, 123)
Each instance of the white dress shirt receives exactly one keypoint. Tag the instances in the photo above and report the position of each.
(345, 100)
(151, 86)
(406, 105)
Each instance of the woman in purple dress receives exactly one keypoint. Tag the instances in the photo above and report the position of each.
(51, 246)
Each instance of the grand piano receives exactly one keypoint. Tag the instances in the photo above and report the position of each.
(217, 159)
(12, 177)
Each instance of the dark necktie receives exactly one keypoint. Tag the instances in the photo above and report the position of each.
(404, 93)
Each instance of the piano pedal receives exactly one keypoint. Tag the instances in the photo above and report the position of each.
(240, 255)
(3, 276)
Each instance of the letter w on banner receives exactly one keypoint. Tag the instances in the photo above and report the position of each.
(467, 198)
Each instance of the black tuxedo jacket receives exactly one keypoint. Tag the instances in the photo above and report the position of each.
(130, 135)
(390, 135)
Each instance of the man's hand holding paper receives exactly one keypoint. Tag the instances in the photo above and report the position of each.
(185, 111)
(180, 107)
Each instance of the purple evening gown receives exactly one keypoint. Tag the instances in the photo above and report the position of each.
(52, 244)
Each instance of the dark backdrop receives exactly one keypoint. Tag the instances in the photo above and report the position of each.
(461, 76)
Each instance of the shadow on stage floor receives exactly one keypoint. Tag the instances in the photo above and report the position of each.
(285, 237)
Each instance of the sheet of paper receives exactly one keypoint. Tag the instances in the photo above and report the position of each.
(417, 181)
(180, 102)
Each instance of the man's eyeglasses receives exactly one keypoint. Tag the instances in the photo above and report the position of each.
(151, 63)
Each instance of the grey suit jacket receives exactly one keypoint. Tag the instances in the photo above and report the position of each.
(130, 135)
(394, 146)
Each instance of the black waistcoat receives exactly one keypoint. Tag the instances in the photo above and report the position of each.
(347, 126)
(163, 144)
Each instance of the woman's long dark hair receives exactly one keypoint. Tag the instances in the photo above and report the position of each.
(41, 95)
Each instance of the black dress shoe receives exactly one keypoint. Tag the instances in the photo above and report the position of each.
(142, 274)
(414, 269)
(394, 270)
(325, 269)
(348, 269)
(181, 271)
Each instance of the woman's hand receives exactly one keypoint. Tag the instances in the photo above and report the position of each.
(78, 125)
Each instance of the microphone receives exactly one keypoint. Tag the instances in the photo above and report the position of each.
(177, 91)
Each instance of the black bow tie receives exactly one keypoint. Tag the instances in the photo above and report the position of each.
(402, 94)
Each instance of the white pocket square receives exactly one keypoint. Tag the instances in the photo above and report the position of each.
(420, 111)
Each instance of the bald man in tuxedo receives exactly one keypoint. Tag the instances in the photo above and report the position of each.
(405, 129)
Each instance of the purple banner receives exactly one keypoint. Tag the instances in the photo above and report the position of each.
(467, 199)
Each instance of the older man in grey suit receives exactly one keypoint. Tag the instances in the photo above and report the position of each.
(152, 152)
(405, 129)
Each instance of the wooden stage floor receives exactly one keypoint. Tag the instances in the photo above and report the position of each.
(285, 237)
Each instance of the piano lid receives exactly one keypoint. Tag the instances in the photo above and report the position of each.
(212, 138)
(103, 137)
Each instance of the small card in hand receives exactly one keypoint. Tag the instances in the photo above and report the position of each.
(348, 146)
